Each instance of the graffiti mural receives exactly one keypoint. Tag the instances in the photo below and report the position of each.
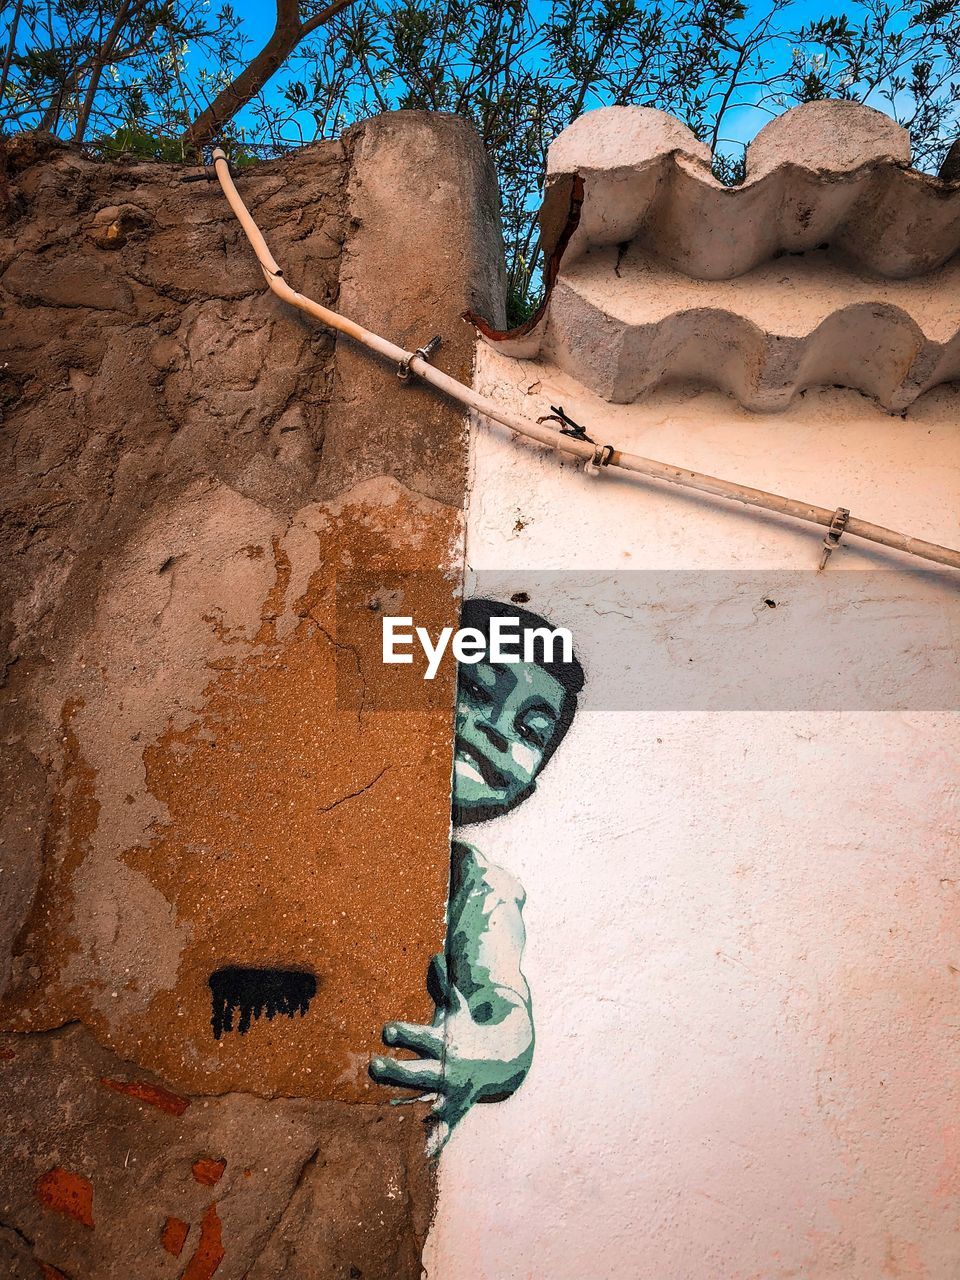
(510, 719)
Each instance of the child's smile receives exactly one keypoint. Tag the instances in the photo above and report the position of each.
(473, 765)
(506, 716)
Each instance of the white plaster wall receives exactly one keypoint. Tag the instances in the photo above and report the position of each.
(743, 926)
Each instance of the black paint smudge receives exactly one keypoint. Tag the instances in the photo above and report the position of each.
(256, 991)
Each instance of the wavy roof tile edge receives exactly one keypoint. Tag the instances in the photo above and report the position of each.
(826, 172)
(878, 350)
(837, 169)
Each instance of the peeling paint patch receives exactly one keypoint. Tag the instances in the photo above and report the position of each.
(275, 602)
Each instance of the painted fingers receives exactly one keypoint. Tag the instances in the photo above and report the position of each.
(427, 1041)
(424, 1075)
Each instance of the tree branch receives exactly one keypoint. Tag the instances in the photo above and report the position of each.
(126, 12)
(11, 46)
(288, 33)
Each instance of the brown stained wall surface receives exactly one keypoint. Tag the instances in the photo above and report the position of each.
(200, 772)
(278, 828)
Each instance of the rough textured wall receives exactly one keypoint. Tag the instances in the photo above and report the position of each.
(740, 866)
(203, 796)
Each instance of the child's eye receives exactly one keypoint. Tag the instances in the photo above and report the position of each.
(530, 734)
(474, 690)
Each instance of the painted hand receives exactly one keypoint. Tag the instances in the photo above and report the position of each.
(462, 1060)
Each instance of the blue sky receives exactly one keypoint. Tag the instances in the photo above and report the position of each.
(740, 125)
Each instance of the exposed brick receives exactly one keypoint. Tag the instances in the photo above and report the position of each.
(66, 1192)
(152, 1094)
(207, 1171)
(50, 1272)
(209, 1252)
(174, 1235)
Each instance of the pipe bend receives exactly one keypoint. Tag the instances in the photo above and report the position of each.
(542, 434)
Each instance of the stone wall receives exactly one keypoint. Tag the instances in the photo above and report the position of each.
(200, 780)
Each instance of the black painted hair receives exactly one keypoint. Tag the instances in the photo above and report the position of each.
(256, 991)
(477, 612)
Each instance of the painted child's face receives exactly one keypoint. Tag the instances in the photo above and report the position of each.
(506, 716)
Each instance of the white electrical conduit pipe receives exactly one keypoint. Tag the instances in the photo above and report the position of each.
(591, 454)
